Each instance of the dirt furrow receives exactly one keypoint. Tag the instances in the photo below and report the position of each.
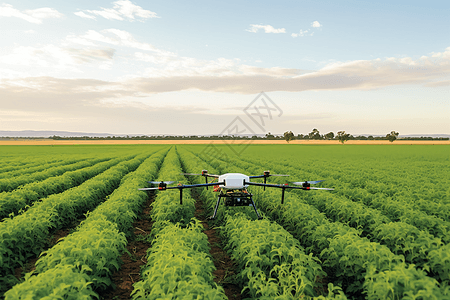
(133, 259)
(224, 274)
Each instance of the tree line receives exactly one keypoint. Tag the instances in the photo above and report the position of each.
(342, 136)
(288, 136)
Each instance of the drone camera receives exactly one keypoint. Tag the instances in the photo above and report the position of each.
(162, 186)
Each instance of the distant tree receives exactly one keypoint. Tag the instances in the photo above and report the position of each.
(370, 137)
(289, 136)
(342, 136)
(315, 135)
(329, 135)
(392, 136)
(269, 136)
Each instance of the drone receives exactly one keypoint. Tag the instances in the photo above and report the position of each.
(233, 188)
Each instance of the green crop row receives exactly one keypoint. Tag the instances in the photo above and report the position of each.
(93, 250)
(271, 263)
(417, 246)
(26, 234)
(38, 165)
(415, 172)
(350, 258)
(20, 163)
(166, 207)
(13, 202)
(68, 270)
(426, 206)
(179, 266)
(50, 170)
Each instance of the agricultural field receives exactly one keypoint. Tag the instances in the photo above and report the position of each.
(75, 226)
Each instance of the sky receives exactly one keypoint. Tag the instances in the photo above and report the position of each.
(225, 67)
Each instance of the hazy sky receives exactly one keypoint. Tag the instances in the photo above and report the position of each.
(194, 67)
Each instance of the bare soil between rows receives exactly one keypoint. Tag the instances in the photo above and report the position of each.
(129, 271)
(225, 267)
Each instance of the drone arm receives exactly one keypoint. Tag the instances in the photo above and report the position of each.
(188, 186)
(181, 187)
(257, 176)
(273, 185)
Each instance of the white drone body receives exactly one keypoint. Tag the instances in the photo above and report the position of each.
(234, 181)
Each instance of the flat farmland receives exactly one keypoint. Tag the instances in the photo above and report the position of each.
(217, 142)
(75, 226)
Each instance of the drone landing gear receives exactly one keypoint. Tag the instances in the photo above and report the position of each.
(234, 199)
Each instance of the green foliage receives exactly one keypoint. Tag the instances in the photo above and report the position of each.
(382, 234)
(342, 136)
(68, 283)
(94, 249)
(25, 235)
(271, 263)
(75, 174)
(270, 260)
(347, 257)
(166, 207)
(401, 282)
(392, 136)
(179, 266)
(289, 136)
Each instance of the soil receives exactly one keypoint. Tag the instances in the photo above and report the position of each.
(225, 267)
(129, 272)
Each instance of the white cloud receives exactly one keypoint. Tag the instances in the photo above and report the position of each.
(307, 32)
(163, 71)
(302, 33)
(316, 24)
(55, 57)
(352, 75)
(115, 37)
(122, 9)
(83, 15)
(267, 29)
(33, 16)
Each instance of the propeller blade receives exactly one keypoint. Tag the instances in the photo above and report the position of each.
(310, 182)
(158, 182)
(148, 189)
(278, 175)
(189, 174)
(316, 188)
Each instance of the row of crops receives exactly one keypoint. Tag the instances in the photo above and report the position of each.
(379, 235)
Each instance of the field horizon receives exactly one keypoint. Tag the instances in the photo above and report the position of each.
(230, 142)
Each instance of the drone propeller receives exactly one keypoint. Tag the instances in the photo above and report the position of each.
(205, 174)
(149, 189)
(189, 174)
(158, 182)
(310, 182)
(265, 175)
(316, 188)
